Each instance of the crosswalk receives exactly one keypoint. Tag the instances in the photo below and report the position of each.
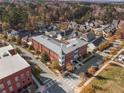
(49, 83)
(69, 81)
(66, 83)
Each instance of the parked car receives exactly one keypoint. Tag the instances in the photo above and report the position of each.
(121, 58)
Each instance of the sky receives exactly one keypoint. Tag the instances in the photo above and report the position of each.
(94, 0)
(69, 0)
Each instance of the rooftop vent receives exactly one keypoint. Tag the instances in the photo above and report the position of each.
(5, 54)
(74, 45)
(48, 38)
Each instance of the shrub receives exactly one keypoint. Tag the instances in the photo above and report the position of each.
(5, 36)
(25, 45)
(69, 67)
(88, 89)
(18, 50)
(45, 57)
(18, 40)
(55, 65)
(31, 47)
(13, 39)
(92, 70)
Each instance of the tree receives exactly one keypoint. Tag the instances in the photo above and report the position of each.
(45, 57)
(92, 70)
(18, 50)
(69, 67)
(88, 89)
(15, 16)
(5, 26)
(25, 45)
(13, 38)
(19, 41)
(103, 45)
(30, 47)
(55, 65)
(38, 52)
(5, 36)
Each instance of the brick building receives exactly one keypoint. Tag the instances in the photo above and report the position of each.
(15, 72)
(63, 52)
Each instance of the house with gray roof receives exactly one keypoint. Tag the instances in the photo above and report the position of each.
(94, 44)
(89, 36)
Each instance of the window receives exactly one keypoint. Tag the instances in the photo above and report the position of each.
(22, 76)
(4, 91)
(28, 74)
(18, 85)
(1, 86)
(28, 78)
(16, 79)
(10, 89)
(8, 82)
(23, 81)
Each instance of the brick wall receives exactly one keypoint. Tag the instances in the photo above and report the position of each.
(83, 50)
(23, 82)
(53, 56)
(122, 35)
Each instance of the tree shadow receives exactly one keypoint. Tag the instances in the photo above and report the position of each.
(97, 87)
(101, 78)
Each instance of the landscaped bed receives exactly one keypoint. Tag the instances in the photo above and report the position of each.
(111, 80)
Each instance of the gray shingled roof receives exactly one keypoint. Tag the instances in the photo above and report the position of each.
(89, 36)
(57, 46)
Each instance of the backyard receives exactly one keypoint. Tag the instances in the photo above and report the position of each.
(111, 80)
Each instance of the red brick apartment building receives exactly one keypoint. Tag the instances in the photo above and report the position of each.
(15, 72)
(58, 51)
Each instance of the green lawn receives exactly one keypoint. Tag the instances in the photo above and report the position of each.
(111, 80)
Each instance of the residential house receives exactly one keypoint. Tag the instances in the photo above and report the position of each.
(109, 31)
(73, 25)
(13, 33)
(66, 34)
(94, 44)
(89, 36)
(51, 33)
(98, 31)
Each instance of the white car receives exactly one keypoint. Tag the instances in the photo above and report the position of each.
(121, 58)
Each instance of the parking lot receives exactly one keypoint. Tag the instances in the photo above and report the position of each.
(93, 61)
